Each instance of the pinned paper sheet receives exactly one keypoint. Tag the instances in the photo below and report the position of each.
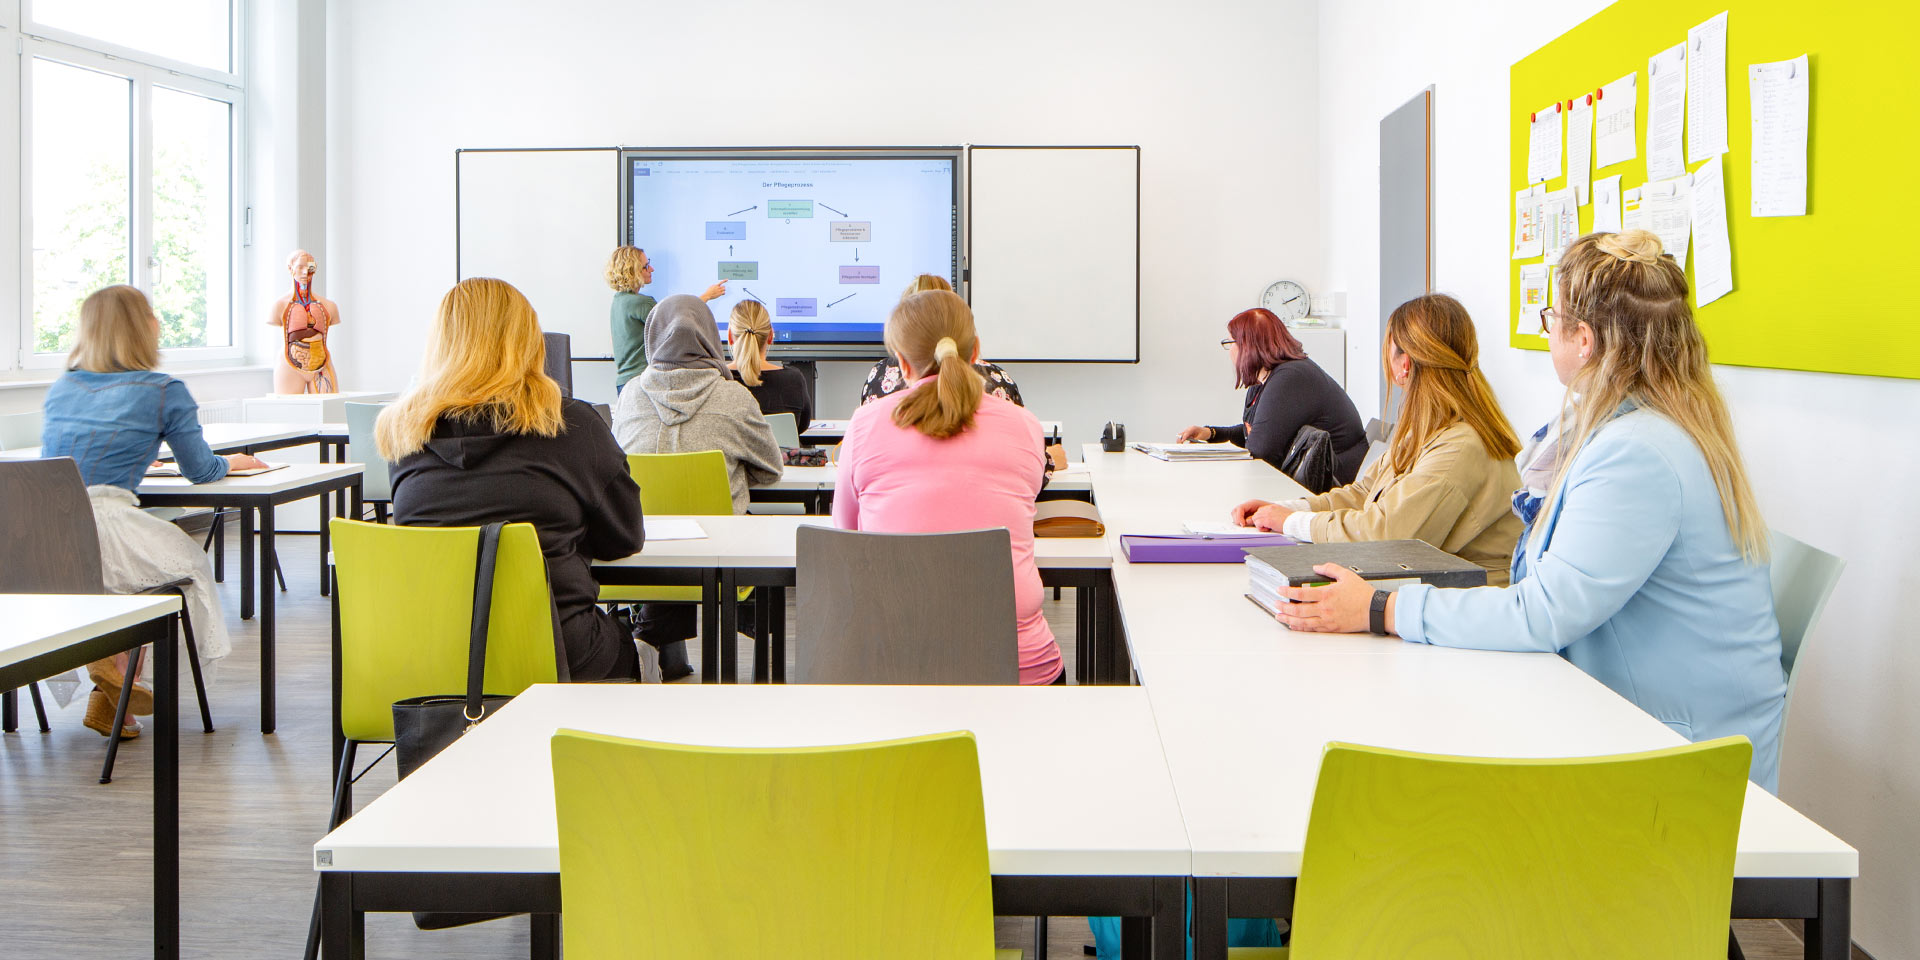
(1613, 133)
(1580, 146)
(661, 529)
(1666, 113)
(1633, 210)
(1779, 92)
(1543, 145)
(1712, 254)
(1668, 207)
(1527, 211)
(1559, 223)
(1533, 297)
(1606, 205)
(1707, 89)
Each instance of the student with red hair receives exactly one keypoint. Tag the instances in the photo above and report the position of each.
(1285, 391)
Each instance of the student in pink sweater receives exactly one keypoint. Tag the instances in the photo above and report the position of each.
(944, 456)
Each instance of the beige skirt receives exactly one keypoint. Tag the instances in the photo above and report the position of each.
(139, 550)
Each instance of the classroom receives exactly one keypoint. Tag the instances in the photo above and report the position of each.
(596, 478)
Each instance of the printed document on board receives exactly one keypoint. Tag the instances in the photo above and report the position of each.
(1606, 205)
(1668, 207)
(1633, 209)
(1560, 223)
(1667, 113)
(1543, 145)
(1707, 89)
(1580, 146)
(1779, 92)
(1533, 297)
(1712, 254)
(1613, 133)
(1527, 211)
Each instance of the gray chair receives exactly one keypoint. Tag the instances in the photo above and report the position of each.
(786, 431)
(559, 363)
(1377, 436)
(377, 482)
(19, 430)
(933, 608)
(57, 550)
(1803, 580)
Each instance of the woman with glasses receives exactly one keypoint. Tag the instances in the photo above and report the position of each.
(1285, 391)
(629, 269)
(1644, 556)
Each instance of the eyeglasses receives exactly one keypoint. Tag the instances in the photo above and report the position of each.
(647, 266)
(1549, 318)
(1226, 344)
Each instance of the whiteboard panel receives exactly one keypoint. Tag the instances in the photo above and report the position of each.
(545, 221)
(1041, 222)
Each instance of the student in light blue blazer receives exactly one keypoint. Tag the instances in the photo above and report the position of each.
(1644, 557)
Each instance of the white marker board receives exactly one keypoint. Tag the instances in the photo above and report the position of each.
(1053, 240)
(545, 221)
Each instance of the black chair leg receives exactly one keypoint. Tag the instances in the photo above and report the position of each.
(277, 575)
(9, 711)
(39, 709)
(193, 661)
(131, 677)
(342, 784)
(216, 538)
(1733, 946)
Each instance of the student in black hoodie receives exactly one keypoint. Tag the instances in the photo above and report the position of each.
(486, 436)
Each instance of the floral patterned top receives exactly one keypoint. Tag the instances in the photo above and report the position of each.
(885, 378)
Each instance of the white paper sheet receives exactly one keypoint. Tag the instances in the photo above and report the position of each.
(1633, 210)
(674, 528)
(1779, 92)
(1667, 113)
(1533, 297)
(1613, 134)
(1559, 223)
(1543, 145)
(1606, 205)
(1580, 147)
(1707, 89)
(1668, 207)
(1712, 254)
(1527, 211)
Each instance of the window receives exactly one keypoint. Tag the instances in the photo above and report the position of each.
(129, 115)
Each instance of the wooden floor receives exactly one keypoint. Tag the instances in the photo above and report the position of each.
(74, 863)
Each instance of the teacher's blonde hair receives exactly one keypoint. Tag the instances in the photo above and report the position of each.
(116, 332)
(932, 332)
(484, 361)
(1648, 349)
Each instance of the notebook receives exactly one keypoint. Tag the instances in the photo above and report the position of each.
(1067, 518)
(1183, 452)
(1388, 564)
(173, 470)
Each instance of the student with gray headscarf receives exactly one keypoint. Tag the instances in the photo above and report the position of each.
(687, 401)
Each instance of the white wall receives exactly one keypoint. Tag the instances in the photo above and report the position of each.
(1223, 121)
(1835, 459)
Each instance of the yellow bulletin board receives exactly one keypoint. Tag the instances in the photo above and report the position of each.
(1837, 290)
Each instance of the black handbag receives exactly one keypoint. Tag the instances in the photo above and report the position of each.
(424, 726)
(1309, 461)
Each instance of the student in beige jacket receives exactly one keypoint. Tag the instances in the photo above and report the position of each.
(1448, 476)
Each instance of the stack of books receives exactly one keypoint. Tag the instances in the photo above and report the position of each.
(1387, 564)
(1177, 452)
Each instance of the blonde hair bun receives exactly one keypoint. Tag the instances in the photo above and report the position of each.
(1638, 246)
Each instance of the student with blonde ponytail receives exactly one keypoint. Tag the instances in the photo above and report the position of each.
(776, 388)
(945, 455)
(1448, 474)
(885, 377)
(1644, 557)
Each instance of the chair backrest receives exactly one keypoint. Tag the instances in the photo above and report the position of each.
(1377, 436)
(1803, 580)
(906, 607)
(770, 852)
(51, 547)
(405, 608)
(682, 483)
(1442, 857)
(19, 430)
(377, 482)
(786, 429)
(559, 363)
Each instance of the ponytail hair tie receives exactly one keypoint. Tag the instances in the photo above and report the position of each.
(944, 349)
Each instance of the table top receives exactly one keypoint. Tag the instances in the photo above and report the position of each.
(1248, 818)
(753, 540)
(838, 428)
(290, 477)
(1072, 777)
(38, 624)
(221, 437)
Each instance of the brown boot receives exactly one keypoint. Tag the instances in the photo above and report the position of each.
(99, 716)
(108, 675)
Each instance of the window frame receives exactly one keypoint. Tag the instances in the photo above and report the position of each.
(144, 72)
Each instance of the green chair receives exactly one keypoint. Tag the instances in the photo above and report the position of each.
(1803, 580)
(862, 850)
(1417, 855)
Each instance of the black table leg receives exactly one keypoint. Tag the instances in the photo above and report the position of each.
(709, 626)
(246, 563)
(777, 599)
(1209, 918)
(1082, 637)
(219, 545)
(1135, 937)
(266, 563)
(356, 493)
(343, 930)
(1169, 918)
(544, 944)
(729, 627)
(326, 503)
(166, 788)
(1830, 931)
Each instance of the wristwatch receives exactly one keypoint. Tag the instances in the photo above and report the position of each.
(1377, 613)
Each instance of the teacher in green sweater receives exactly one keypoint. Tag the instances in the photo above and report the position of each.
(628, 269)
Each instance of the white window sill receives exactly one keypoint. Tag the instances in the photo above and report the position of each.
(41, 379)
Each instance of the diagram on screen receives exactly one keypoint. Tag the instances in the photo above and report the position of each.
(825, 245)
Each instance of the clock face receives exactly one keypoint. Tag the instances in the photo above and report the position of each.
(1287, 300)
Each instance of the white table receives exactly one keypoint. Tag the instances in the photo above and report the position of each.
(474, 828)
(221, 438)
(46, 635)
(759, 551)
(833, 431)
(258, 495)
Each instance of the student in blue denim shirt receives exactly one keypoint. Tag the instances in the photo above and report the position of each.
(109, 412)
(1645, 561)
